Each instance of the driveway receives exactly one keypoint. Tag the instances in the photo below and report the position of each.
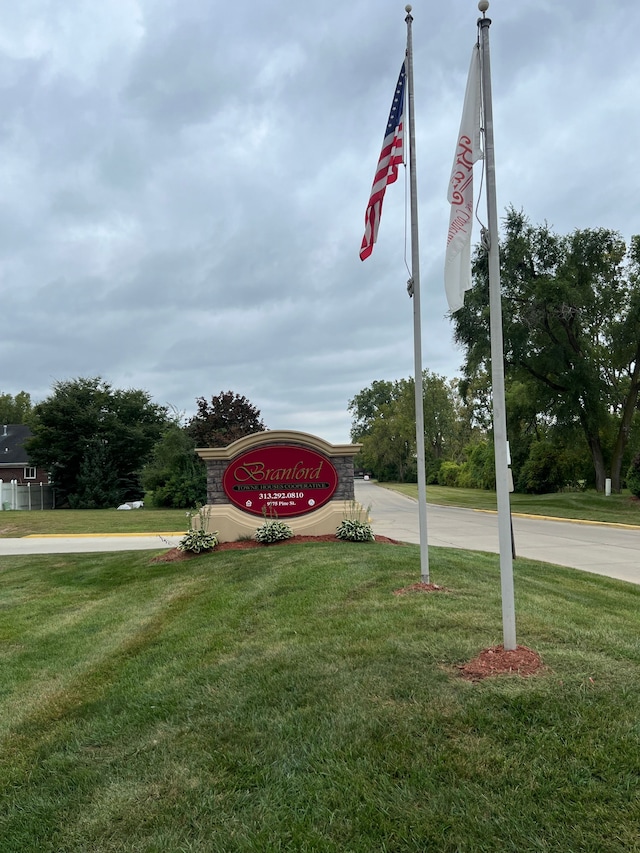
(599, 548)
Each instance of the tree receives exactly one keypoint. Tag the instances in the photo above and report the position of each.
(97, 481)
(367, 406)
(175, 476)
(571, 325)
(389, 446)
(384, 421)
(15, 410)
(225, 419)
(87, 431)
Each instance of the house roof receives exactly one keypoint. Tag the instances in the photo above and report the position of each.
(12, 439)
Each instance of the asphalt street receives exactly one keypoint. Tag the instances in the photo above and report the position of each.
(599, 548)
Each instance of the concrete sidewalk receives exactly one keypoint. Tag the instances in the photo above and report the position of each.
(57, 544)
(598, 548)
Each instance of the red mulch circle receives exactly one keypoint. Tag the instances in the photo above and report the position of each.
(174, 555)
(497, 661)
(420, 587)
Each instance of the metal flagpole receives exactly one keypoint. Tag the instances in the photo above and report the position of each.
(414, 291)
(497, 349)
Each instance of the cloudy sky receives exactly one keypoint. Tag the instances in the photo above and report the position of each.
(183, 184)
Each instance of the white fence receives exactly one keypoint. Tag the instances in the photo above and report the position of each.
(29, 496)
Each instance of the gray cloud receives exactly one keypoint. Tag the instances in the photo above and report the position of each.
(183, 185)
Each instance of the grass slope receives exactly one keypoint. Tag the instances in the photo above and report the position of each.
(285, 699)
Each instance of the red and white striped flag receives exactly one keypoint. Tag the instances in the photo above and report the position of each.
(391, 156)
(457, 268)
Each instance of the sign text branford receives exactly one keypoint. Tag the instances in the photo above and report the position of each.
(281, 480)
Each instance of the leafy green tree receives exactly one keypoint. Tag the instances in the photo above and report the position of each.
(86, 429)
(571, 324)
(97, 482)
(225, 419)
(389, 447)
(175, 476)
(478, 470)
(384, 421)
(367, 405)
(15, 410)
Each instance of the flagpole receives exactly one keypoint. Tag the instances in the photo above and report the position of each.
(497, 350)
(414, 291)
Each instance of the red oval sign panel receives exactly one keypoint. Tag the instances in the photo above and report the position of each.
(280, 480)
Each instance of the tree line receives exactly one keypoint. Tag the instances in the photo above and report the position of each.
(571, 327)
(103, 446)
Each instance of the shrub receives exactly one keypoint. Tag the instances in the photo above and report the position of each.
(273, 530)
(198, 539)
(478, 470)
(633, 476)
(542, 472)
(354, 530)
(448, 474)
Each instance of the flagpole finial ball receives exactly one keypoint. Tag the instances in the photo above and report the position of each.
(483, 5)
(407, 8)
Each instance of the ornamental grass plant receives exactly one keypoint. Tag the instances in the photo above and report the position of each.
(356, 526)
(198, 539)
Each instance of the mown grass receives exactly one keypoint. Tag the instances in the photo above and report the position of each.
(16, 523)
(589, 505)
(285, 699)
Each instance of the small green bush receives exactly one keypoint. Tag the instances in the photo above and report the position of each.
(272, 531)
(478, 471)
(197, 541)
(354, 530)
(448, 474)
(633, 476)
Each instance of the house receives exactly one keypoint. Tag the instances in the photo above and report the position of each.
(14, 461)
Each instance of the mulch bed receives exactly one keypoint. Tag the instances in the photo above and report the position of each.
(175, 554)
(498, 661)
(420, 587)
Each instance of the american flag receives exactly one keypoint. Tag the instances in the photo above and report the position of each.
(391, 156)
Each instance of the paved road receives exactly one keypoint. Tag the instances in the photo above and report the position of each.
(598, 548)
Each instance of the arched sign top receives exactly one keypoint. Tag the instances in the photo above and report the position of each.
(280, 480)
(277, 436)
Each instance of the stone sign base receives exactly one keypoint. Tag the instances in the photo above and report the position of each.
(231, 524)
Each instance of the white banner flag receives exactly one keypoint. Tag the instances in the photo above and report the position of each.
(457, 269)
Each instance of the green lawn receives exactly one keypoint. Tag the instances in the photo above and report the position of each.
(284, 699)
(41, 522)
(590, 505)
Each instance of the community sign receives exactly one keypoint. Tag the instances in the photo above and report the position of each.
(280, 480)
